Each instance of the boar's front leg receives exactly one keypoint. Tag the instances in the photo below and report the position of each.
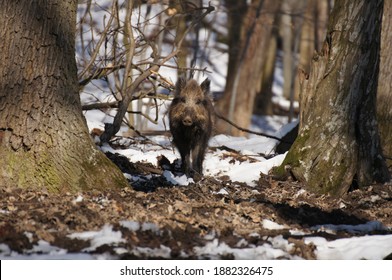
(198, 158)
(185, 161)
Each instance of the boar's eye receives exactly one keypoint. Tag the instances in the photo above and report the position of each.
(201, 102)
(178, 100)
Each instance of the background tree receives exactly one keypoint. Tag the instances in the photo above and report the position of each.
(246, 60)
(338, 145)
(282, 31)
(44, 141)
(180, 25)
(312, 34)
(263, 102)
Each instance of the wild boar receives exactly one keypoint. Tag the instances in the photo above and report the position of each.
(190, 119)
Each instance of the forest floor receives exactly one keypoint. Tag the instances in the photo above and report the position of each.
(180, 221)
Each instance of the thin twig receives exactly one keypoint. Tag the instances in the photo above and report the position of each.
(100, 42)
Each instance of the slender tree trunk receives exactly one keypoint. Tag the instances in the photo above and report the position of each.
(307, 44)
(44, 140)
(384, 91)
(263, 102)
(129, 44)
(312, 33)
(236, 10)
(287, 34)
(179, 23)
(322, 12)
(338, 145)
(244, 76)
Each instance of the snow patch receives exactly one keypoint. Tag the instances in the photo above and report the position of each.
(268, 224)
(374, 247)
(177, 180)
(276, 248)
(98, 238)
(161, 252)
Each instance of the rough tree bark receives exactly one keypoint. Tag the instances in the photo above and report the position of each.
(384, 90)
(338, 144)
(44, 140)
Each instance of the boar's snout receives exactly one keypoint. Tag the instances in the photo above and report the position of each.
(187, 121)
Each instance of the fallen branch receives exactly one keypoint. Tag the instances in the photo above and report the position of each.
(218, 115)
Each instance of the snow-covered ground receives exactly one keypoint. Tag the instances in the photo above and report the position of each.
(371, 247)
(247, 171)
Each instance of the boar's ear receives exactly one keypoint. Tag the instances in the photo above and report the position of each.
(205, 86)
(181, 82)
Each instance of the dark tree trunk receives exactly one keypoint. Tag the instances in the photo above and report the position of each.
(236, 10)
(263, 102)
(44, 140)
(338, 144)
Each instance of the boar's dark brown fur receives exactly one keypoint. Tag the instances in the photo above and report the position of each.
(190, 118)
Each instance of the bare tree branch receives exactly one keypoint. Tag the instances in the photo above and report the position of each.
(99, 44)
(112, 129)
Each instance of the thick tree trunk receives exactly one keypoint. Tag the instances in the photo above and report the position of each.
(338, 144)
(44, 140)
(245, 72)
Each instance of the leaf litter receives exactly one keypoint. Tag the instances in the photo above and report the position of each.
(209, 219)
